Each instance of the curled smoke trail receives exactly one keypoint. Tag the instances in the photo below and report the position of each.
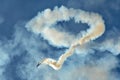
(43, 22)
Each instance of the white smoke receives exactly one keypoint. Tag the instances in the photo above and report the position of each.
(43, 22)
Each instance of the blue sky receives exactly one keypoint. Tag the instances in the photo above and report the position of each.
(21, 49)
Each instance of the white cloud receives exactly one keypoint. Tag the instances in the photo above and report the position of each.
(1, 19)
(87, 4)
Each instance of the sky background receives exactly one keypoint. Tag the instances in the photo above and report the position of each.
(20, 49)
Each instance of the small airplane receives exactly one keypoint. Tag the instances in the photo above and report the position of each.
(38, 64)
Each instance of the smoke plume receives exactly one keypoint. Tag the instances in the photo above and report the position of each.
(43, 24)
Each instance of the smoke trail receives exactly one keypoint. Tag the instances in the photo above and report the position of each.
(43, 22)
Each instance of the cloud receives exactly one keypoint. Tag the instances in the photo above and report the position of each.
(1, 19)
(112, 46)
(99, 69)
(96, 71)
(3, 61)
(22, 43)
(109, 44)
(86, 4)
